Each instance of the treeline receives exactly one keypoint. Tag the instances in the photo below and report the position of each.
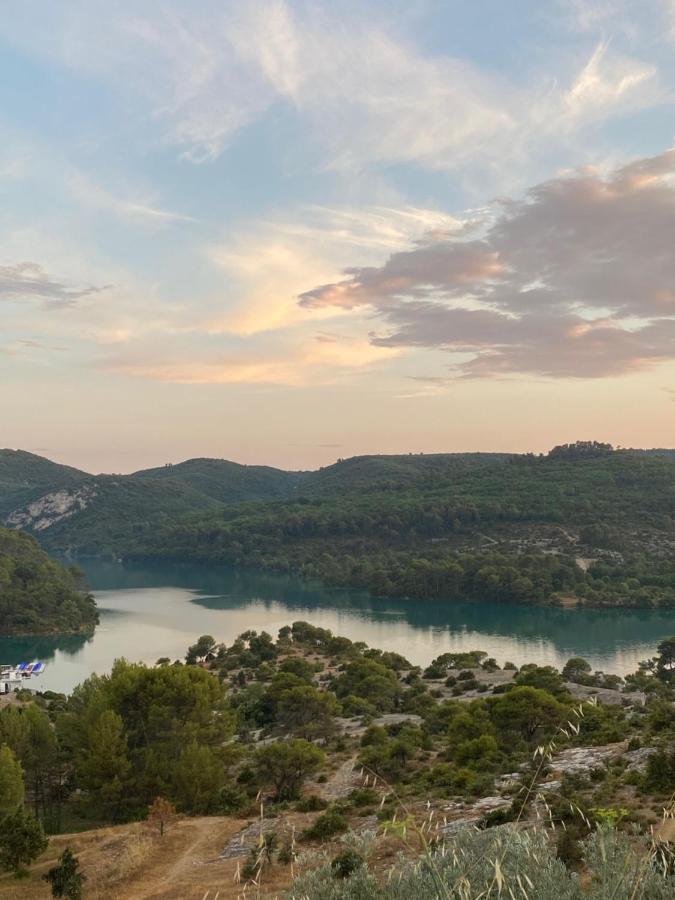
(37, 594)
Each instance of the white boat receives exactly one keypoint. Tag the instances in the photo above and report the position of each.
(13, 677)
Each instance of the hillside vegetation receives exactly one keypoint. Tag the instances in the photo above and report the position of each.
(25, 477)
(597, 528)
(312, 766)
(582, 524)
(37, 594)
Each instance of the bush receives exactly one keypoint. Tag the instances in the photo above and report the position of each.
(616, 868)
(346, 863)
(326, 826)
(311, 803)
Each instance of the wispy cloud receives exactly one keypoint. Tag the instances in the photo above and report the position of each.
(88, 193)
(29, 281)
(268, 262)
(365, 94)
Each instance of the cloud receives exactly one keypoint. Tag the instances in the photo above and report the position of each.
(267, 263)
(575, 280)
(28, 281)
(295, 361)
(364, 94)
(93, 195)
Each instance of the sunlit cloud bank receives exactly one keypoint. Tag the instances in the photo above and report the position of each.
(575, 280)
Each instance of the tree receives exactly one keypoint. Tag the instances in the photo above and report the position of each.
(198, 777)
(65, 878)
(370, 681)
(665, 661)
(526, 711)
(22, 840)
(286, 764)
(545, 678)
(104, 766)
(161, 814)
(576, 669)
(202, 649)
(11, 784)
(29, 733)
(307, 712)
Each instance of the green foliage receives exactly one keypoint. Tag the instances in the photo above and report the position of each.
(370, 681)
(37, 594)
(65, 878)
(416, 529)
(11, 784)
(660, 774)
(345, 863)
(286, 764)
(501, 861)
(546, 678)
(326, 826)
(22, 840)
(29, 733)
(307, 712)
(576, 669)
(204, 648)
(153, 732)
(103, 762)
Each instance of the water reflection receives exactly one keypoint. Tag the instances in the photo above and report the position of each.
(158, 610)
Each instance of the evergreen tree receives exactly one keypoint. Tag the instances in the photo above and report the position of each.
(103, 766)
(65, 878)
(22, 840)
(11, 784)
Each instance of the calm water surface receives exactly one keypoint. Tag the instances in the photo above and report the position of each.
(153, 611)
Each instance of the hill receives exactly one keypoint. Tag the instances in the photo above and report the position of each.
(583, 524)
(77, 513)
(25, 477)
(598, 529)
(312, 766)
(226, 481)
(37, 594)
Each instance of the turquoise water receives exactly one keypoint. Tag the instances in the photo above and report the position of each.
(153, 611)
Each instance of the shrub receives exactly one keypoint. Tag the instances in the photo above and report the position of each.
(326, 826)
(346, 863)
(311, 803)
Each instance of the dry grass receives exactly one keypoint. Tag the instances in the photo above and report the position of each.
(129, 863)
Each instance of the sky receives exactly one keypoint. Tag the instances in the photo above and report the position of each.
(284, 232)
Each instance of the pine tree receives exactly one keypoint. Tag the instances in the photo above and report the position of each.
(22, 840)
(11, 784)
(104, 766)
(65, 878)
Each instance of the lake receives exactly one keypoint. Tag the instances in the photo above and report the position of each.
(150, 611)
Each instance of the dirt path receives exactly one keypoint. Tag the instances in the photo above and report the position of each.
(342, 782)
(184, 864)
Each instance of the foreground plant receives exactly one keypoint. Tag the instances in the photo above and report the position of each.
(503, 862)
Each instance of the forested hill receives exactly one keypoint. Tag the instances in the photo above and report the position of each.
(37, 594)
(575, 526)
(582, 523)
(25, 477)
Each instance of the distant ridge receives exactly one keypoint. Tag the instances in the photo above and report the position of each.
(71, 511)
